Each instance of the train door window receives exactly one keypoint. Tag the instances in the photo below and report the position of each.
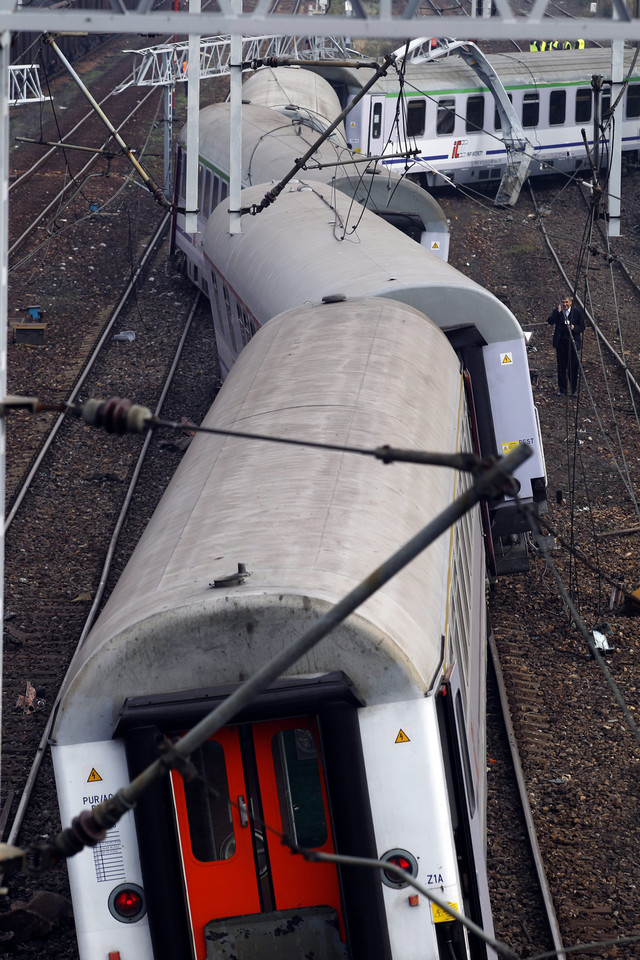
(295, 760)
(208, 805)
(557, 107)
(475, 113)
(497, 122)
(531, 109)
(583, 104)
(376, 121)
(633, 101)
(446, 119)
(416, 113)
(224, 190)
(605, 103)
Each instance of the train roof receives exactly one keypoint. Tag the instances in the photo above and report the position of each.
(270, 143)
(515, 70)
(295, 92)
(309, 524)
(347, 251)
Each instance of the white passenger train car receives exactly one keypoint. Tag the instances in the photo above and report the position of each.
(291, 109)
(349, 252)
(449, 116)
(371, 745)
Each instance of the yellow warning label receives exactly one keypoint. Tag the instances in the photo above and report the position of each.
(435, 245)
(402, 737)
(440, 915)
(509, 446)
(94, 776)
(506, 358)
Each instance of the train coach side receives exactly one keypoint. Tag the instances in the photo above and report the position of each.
(377, 760)
(449, 115)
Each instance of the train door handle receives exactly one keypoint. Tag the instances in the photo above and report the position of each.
(244, 813)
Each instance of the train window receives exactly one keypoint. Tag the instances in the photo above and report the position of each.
(557, 107)
(605, 103)
(466, 761)
(208, 806)
(299, 785)
(497, 122)
(583, 104)
(530, 109)
(633, 100)
(416, 113)
(446, 116)
(475, 113)
(206, 200)
(200, 187)
(376, 121)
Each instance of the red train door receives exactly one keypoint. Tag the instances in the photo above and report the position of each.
(257, 782)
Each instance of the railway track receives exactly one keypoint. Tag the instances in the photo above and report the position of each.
(579, 755)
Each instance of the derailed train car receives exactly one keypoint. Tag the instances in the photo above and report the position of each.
(371, 745)
(334, 328)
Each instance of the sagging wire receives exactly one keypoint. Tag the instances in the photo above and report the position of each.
(121, 416)
(534, 520)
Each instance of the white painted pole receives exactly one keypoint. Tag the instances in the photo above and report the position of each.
(5, 38)
(615, 145)
(235, 133)
(193, 125)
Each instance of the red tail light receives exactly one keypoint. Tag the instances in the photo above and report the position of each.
(126, 903)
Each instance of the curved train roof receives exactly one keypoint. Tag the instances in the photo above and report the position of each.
(295, 92)
(514, 69)
(309, 524)
(347, 251)
(270, 143)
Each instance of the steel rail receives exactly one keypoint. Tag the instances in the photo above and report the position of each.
(108, 561)
(550, 912)
(17, 243)
(614, 354)
(149, 250)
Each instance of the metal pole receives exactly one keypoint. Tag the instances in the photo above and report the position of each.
(614, 188)
(5, 38)
(235, 134)
(193, 125)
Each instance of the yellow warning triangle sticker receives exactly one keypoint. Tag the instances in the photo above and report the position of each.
(507, 358)
(402, 737)
(94, 776)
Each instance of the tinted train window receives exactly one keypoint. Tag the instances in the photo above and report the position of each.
(605, 104)
(475, 113)
(376, 121)
(416, 112)
(208, 807)
(530, 109)
(583, 105)
(446, 116)
(497, 123)
(557, 107)
(633, 100)
(295, 761)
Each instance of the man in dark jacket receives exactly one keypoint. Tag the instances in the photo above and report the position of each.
(568, 324)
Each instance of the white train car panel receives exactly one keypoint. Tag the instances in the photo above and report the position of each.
(449, 115)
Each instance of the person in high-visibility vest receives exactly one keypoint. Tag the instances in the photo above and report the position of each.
(579, 44)
(567, 45)
(554, 45)
(542, 45)
(533, 46)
